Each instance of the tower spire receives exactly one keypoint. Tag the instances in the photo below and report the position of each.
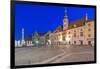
(65, 21)
(86, 16)
(22, 36)
(65, 15)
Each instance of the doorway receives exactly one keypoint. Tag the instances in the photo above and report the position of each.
(89, 42)
(81, 42)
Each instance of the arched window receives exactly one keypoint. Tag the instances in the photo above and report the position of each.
(89, 35)
(69, 42)
(74, 34)
(74, 42)
(64, 38)
(89, 42)
(89, 29)
(81, 33)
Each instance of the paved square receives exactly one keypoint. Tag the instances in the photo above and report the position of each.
(33, 55)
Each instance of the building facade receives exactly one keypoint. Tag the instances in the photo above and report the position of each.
(78, 32)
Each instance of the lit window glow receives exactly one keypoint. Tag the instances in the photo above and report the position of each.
(67, 39)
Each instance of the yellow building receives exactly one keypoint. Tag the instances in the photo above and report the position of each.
(89, 32)
(78, 32)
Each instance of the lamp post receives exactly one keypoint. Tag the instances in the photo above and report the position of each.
(23, 41)
(37, 43)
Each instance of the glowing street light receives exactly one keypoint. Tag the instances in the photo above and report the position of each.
(37, 41)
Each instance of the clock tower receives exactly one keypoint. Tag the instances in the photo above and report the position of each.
(65, 21)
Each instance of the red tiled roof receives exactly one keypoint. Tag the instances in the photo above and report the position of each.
(76, 23)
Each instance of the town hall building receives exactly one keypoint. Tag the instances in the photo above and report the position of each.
(78, 32)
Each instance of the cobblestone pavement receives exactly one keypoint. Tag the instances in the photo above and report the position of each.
(32, 55)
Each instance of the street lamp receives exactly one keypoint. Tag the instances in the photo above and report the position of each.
(37, 43)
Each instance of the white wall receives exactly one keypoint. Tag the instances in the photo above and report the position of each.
(5, 34)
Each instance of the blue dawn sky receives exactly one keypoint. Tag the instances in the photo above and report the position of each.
(44, 18)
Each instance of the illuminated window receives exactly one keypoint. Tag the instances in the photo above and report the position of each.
(81, 33)
(69, 32)
(74, 42)
(74, 30)
(64, 33)
(89, 29)
(64, 38)
(89, 35)
(81, 29)
(74, 34)
(74, 25)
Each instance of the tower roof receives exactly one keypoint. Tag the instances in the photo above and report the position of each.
(86, 16)
(65, 13)
(77, 23)
(22, 29)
